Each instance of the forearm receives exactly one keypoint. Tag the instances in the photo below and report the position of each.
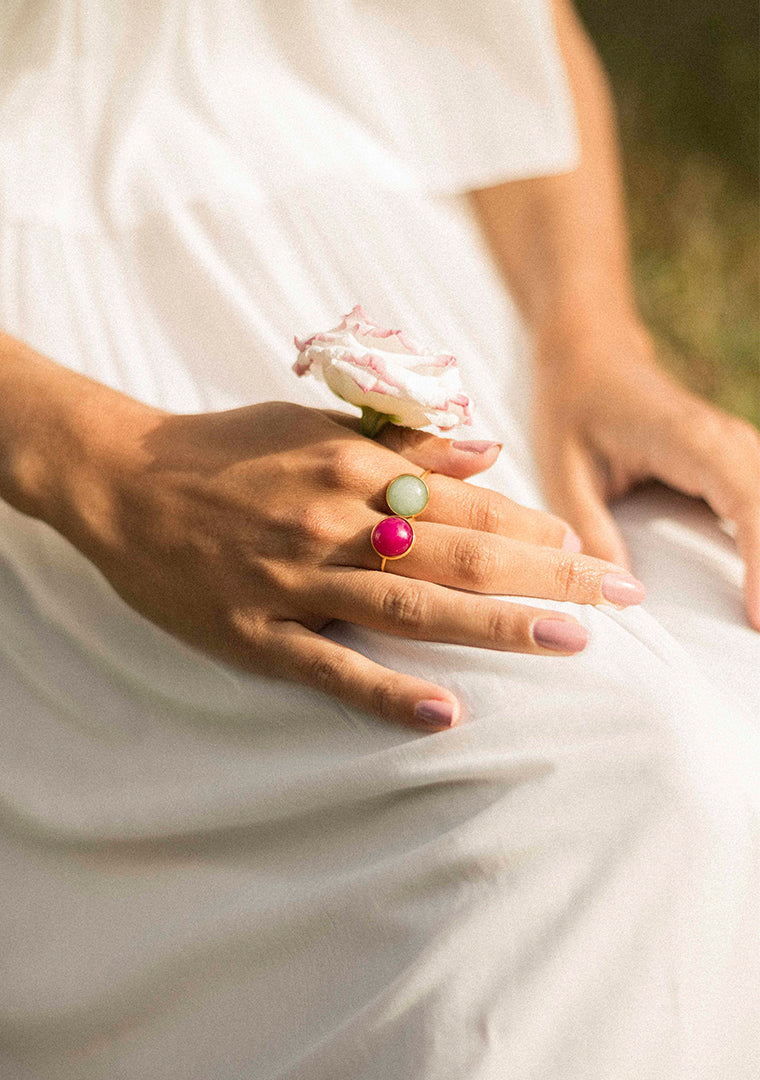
(58, 430)
(562, 240)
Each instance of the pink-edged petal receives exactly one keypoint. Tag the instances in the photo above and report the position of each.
(422, 385)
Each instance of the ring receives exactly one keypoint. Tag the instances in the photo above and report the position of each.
(407, 496)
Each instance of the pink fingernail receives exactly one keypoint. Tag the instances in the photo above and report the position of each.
(474, 446)
(560, 635)
(622, 589)
(572, 541)
(436, 713)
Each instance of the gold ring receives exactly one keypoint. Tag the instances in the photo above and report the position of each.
(407, 496)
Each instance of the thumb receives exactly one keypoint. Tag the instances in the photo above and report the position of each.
(576, 492)
(452, 457)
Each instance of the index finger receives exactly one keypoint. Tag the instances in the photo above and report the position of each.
(456, 502)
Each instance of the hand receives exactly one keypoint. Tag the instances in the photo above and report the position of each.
(245, 532)
(605, 417)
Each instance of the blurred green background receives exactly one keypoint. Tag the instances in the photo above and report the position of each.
(685, 79)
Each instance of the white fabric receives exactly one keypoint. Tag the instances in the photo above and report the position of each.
(211, 874)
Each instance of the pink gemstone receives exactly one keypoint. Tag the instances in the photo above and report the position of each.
(392, 537)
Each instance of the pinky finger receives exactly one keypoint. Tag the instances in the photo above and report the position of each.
(315, 661)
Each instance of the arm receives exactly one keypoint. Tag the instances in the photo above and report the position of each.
(53, 441)
(605, 416)
(561, 240)
(245, 532)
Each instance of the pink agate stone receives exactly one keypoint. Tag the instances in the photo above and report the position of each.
(392, 537)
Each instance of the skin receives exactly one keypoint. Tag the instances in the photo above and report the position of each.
(605, 416)
(245, 532)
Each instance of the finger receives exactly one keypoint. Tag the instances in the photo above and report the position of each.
(717, 458)
(305, 657)
(488, 563)
(748, 543)
(457, 503)
(452, 457)
(429, 612)
(454, 503)
(574, 490)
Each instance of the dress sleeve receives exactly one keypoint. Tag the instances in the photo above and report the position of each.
(463, 93)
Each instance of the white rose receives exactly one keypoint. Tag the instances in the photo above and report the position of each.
(384, 371)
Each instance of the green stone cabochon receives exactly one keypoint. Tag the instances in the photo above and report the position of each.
(407, 495)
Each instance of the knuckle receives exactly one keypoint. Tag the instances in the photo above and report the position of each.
(241, 628)
(277, 580)
(487, 516)
(383, 700)
(500, 624)
(568, 576)
(343, 466)
(298, 531)
(405, 607)
(323, 672)
(314, 522)
(473, 561)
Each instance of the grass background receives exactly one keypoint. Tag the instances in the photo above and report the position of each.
(686, 81)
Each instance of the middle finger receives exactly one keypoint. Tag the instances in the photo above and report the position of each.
(455, 502)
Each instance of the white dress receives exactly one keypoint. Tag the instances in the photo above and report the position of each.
(208, 875)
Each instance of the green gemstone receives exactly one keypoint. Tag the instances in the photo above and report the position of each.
(407, 495)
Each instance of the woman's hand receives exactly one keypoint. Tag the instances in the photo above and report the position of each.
(606, 417)
(245, 532)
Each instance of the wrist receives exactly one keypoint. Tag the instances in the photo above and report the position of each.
(63, 437)
(580, 337)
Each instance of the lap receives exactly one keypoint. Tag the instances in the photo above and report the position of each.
(694, 580)
(564, 884)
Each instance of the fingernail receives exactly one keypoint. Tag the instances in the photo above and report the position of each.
(474, 446)
(560, 635)
(438, 713)
(572, 541)
(622, 589)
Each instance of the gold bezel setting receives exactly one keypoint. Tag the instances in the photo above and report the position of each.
(409, 517)
(403, 554)
(409, 520)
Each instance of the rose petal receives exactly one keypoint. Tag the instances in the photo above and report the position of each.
(418, 386)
